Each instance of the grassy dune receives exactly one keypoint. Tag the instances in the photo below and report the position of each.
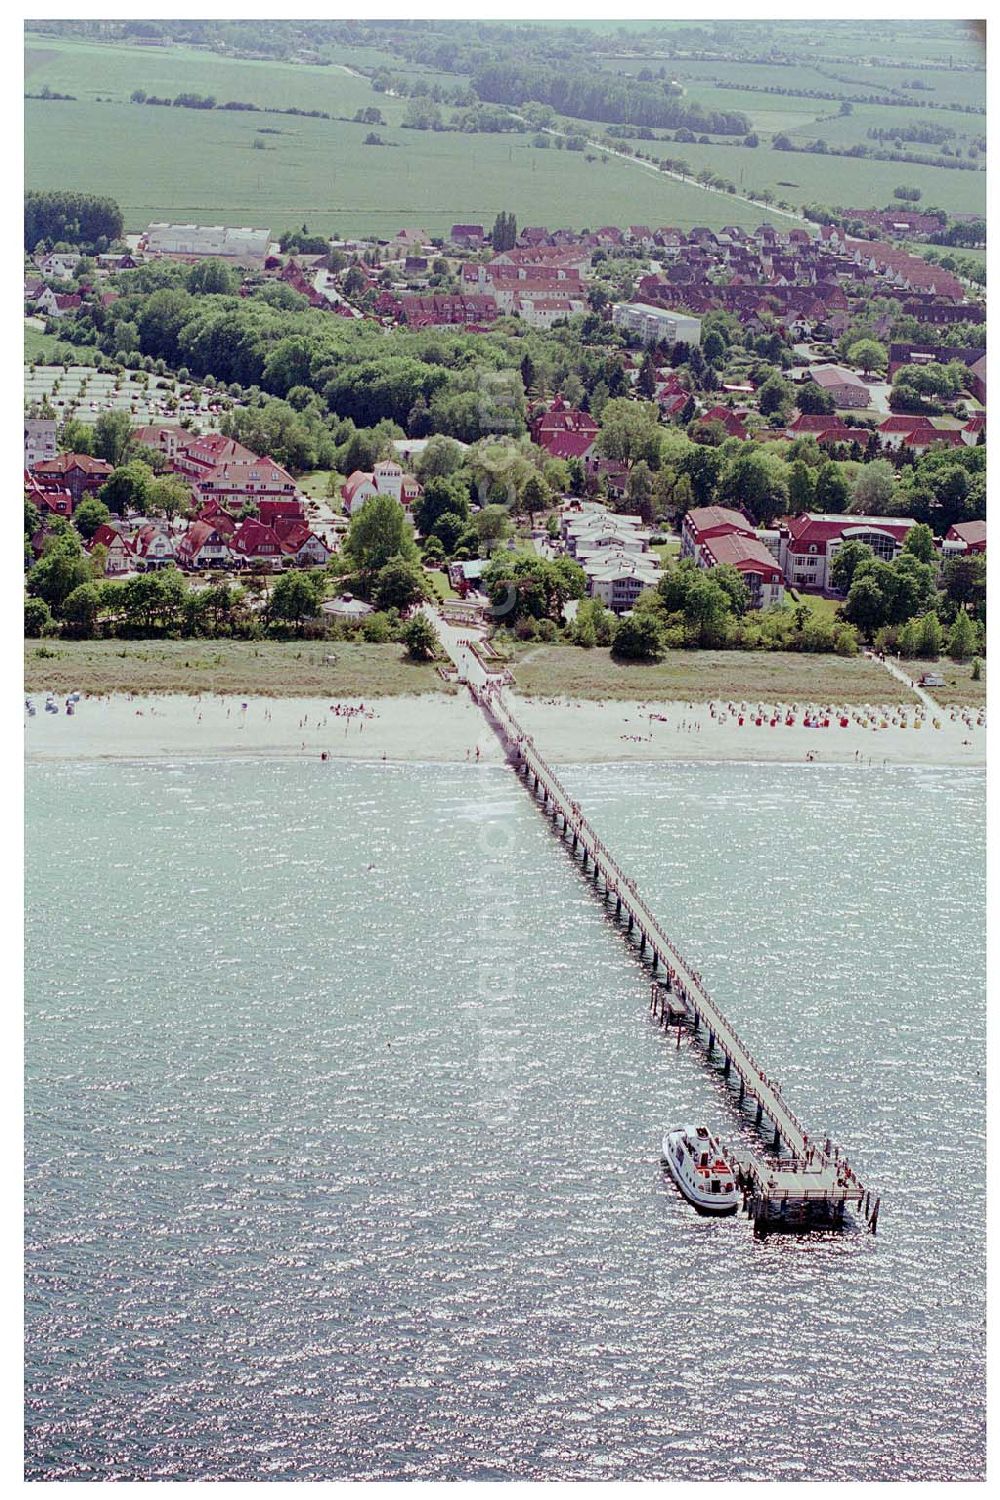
(270, 669)
(698, 676)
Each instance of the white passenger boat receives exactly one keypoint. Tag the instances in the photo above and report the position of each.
(695, 1162)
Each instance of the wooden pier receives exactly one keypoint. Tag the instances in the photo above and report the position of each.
(808, 1182)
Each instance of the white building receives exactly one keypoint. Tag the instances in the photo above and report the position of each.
(387, 478)
(656, 325)
(208, 241)
(39, 440)
(617, 578)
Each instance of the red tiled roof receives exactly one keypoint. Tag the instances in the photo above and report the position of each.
(973, 533)
(65, 463)
(744, 552)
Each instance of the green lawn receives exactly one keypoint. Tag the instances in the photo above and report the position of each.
(46, 348)
(697, 676)
(274, 669)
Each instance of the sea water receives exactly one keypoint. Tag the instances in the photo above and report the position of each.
(344, 1113)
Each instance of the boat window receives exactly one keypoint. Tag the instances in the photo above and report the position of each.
(715, 1184)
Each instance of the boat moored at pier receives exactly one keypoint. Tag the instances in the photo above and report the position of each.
(695, 1161)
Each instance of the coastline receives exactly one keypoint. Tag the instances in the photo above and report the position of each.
(448, 728)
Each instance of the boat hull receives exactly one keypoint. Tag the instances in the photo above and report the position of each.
(709, 1204)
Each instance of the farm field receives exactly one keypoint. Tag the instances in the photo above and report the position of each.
(201, 166)
(700, 676)
(801, 177)
(271, 669)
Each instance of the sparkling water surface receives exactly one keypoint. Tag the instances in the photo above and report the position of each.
(344, 1113)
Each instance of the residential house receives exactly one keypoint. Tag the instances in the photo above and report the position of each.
(468, 236)
(76, 472)
(39, 440)
(846, 388)
(706, 522)
(203, 545)
(965, 536)
(153, 548)
(120, 552)
(57, 304)
(300, 546)
(761, 572)
(253, 543)
(387, 478)
(617, 578)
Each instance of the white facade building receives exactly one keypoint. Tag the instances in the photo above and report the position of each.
(656, 325)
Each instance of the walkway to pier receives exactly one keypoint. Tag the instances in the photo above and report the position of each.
(812, 1179)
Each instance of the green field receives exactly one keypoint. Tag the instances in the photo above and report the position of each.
(801, 177)
(701, 676)
(202, 166)
(271, 669)
(211, 166)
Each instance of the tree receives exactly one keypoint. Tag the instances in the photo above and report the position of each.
(907, 194)
(440, 496)
(399, 585)
(81, 608)
(707, 608)
(295, 598)
(210, 278)
(775, 397)
(168, 496)
(732, 583)
(868, 355)
(638, 637)
(77, 437)
(535, 494)
(492, 525)
(420, 638)
(873, 488)
(128, 488)
(629, 431)
(964, 579)
(756, 481)
(801, 487)
(113, 437)
(378, 531)
(914, 590)
(646, 382)
(866, 605)
(639, 490)
(89, 516)
(845, 562)
(37, 616)
(61, 568)
(504, 233)
(920, 542)
(832, 492)
(812, 400)
(439, 459)
(962, 638)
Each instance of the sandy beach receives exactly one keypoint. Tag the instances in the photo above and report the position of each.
(435, 727)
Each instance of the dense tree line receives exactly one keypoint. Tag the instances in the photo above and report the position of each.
(82, 219)
(592, 95)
